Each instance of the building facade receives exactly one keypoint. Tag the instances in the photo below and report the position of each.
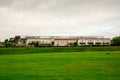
(65, 40)
(61, 40)
(93, 41)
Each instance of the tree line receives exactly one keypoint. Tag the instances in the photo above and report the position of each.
(115, 41)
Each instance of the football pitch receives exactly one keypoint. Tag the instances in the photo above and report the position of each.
(90, 65)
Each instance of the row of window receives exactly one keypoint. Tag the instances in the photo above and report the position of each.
(96, 43)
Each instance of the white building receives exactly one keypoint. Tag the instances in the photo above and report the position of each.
(93, 41)
(62, 40)
(42, 40)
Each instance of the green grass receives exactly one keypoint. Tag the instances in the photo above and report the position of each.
(30, 50)
(59, 65)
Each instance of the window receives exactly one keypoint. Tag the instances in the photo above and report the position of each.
(82, 43)
(90, 43)
(107, 43)
(98, 43)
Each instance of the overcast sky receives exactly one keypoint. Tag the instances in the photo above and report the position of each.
(59, 17)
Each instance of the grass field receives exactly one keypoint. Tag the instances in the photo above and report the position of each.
(26, 64)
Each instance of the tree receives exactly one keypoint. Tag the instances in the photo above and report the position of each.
(1, 44)
(6, 40)
(36, 44)
(75, 44)
(71, 44)
(116, 41)
(8, 43)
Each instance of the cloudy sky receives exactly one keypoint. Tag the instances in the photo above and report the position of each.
(59, 17)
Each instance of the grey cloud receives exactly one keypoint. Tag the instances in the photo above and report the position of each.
(59, 17)
(64, 7)
(6, 3)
